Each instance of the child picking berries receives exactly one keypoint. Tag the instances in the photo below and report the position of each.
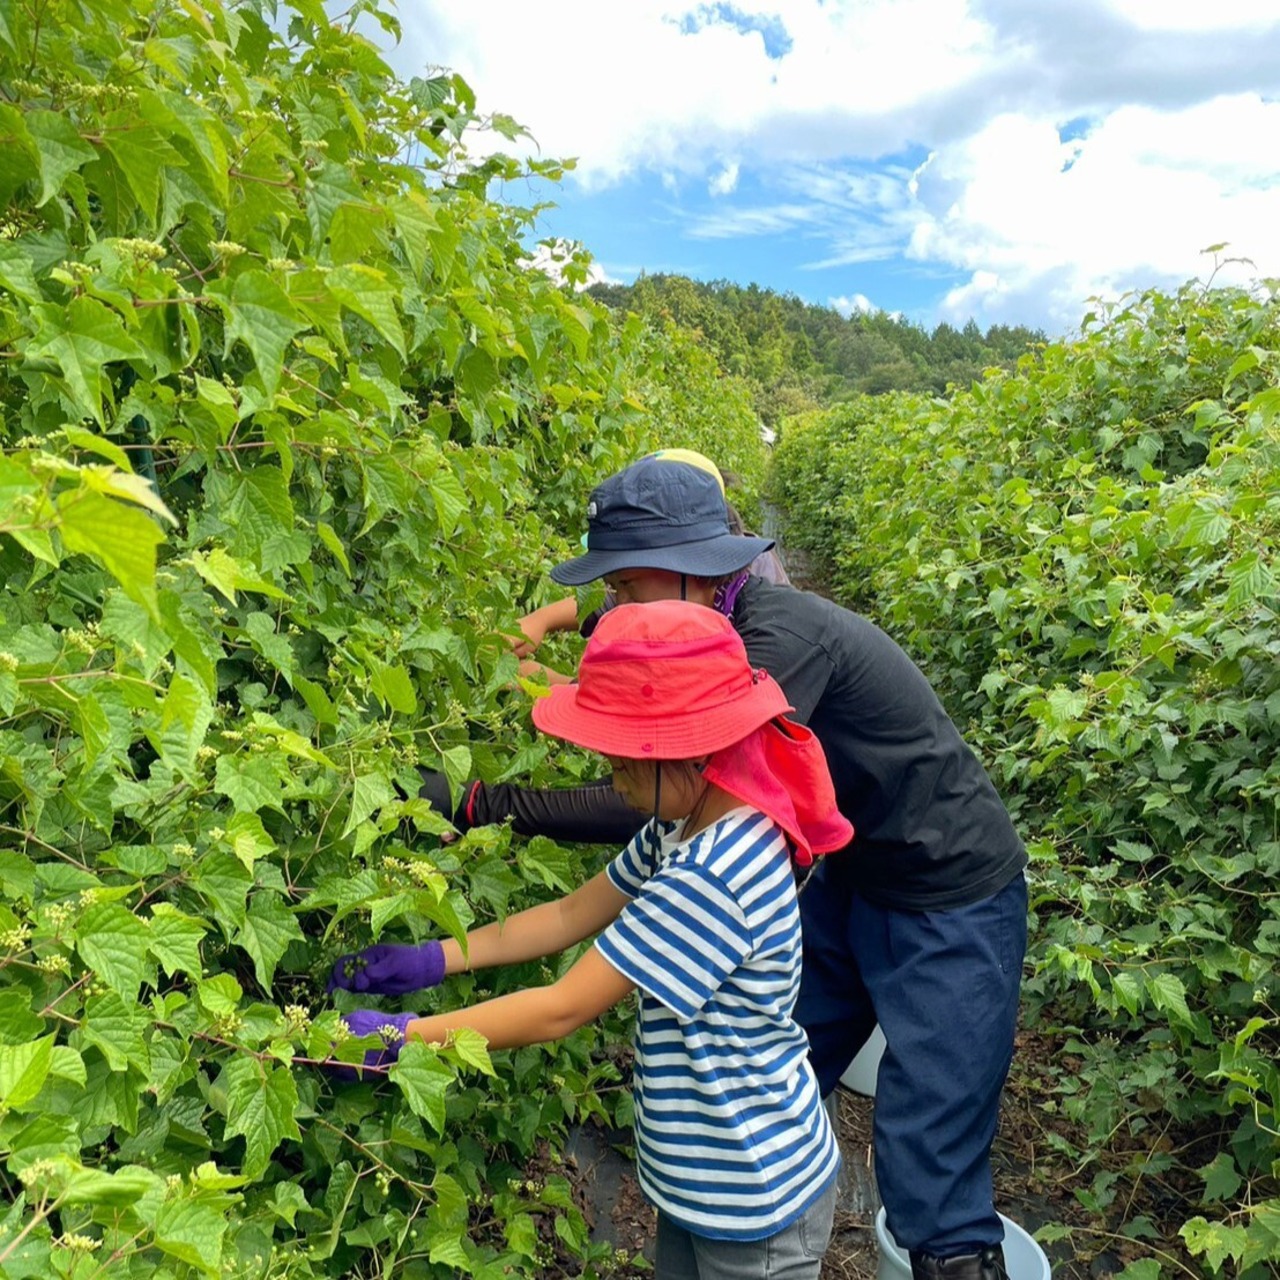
(699, 915)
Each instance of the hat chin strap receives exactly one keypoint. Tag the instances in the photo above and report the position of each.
(656, 840)
(684, 586)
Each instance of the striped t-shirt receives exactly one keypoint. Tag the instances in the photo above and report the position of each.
(732, 1140)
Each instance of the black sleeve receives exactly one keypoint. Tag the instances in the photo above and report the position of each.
(593, 814)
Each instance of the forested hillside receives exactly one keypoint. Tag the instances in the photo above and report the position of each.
(796, 356)
(1082, 554)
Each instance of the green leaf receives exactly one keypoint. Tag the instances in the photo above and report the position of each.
(81, 339)
(185, 716)
(1214, 1241)
(248, 838)
(1169, 996)
(220, 995)
(90, 441)
(370, 792)
(260, 315)
(116, 1189)
(393, 686)
(447, 1224)
(1221, 1178)
(274, 647)
(334, 544)
(522, 1234)
(175, 939)
(261, 1101)
(1205, 527)
(493, 882)
(142, 154)
(44, 1138)
(456, 764)
(113, 943)
(61, 149)
(544, 860)
(471, 1048)
(192, 1232)
(224, 883)
(121, 538)
(366, 291)
(450, 500)
(17, 1021)
(266, 933)
(118, 1029)
(17, 273)
(227, 574)
(250, 782)
(24, 1069)
(1250, 580)
(1128, 990)
(1144, 1269)
(424, 1080)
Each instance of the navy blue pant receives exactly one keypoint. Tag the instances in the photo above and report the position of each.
(943, 985)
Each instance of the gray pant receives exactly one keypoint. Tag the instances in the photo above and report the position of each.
(794, 1253)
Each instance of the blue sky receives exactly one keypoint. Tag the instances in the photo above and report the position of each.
(1004, 160)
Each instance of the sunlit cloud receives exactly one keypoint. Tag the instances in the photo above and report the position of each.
(723, 183)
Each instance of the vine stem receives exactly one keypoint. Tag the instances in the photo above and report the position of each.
(41, 1212)
(420, 1188)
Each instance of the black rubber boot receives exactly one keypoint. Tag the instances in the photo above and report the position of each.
(988, 1264)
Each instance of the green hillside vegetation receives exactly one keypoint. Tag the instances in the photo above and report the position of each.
(796, 356)
(290, 434)
(1082, 554)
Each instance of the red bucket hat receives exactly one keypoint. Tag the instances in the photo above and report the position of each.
(670, 680)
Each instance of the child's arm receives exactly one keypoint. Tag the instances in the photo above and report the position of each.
(562, 615)
(390, 968)
(540, 931)
(538, 1013)
(532, 670)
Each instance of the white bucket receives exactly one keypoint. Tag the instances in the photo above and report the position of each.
(860, 1074)
(1023, 1258)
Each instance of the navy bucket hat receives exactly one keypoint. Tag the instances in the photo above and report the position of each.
(658, 514)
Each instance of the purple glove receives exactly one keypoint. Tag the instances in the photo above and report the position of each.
(368, 1022)
(389, 969)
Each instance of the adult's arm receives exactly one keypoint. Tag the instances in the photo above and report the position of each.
(590, 814)
(560, 615)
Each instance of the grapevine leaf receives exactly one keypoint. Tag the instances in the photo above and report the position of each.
(261, 1101)
(266, 933)
(80, 339)
(23, 1071)
(113, 943)
(424, 1080)
(260, 315)
(175, 939)
(61, 149)
(192, 1231)
(120, 537)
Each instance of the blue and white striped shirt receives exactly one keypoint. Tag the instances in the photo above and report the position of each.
(732, 1140)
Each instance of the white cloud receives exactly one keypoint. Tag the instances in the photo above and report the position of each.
(624, 87)
(1043, 224)
(858, 302)
(724, 182)
(568, 263)
(1195, 15)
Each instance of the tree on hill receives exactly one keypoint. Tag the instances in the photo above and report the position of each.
(798, 356)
